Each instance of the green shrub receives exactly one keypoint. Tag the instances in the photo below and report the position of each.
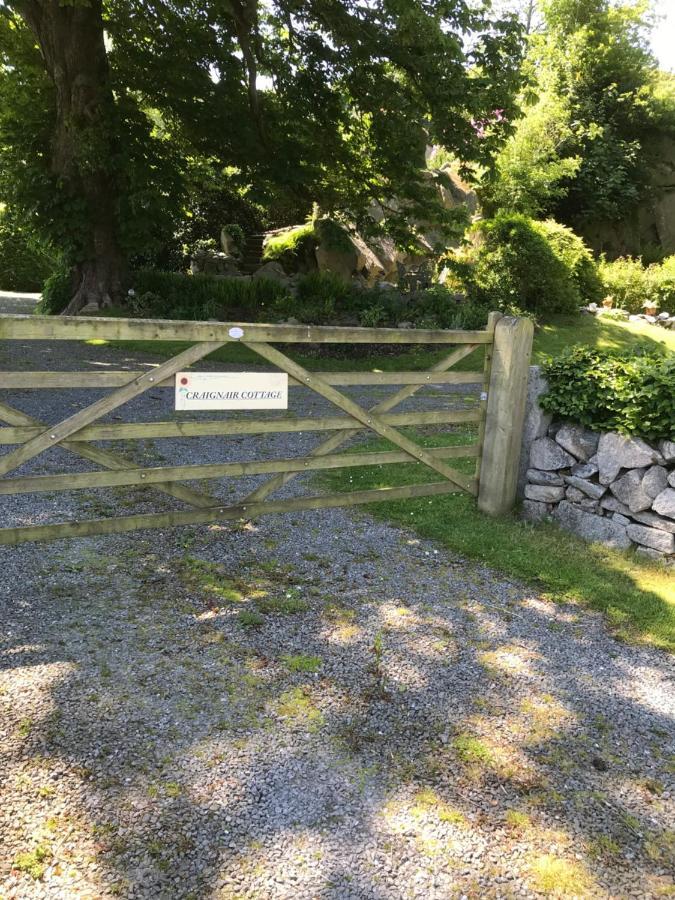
(321, 299)
(236, 233)
(576, 256)
(333, 236)
(628, 282)
(610, 392)
(527, 265)
(25, 263)
(294, 248)
(663, 280)
(56, 293)
(170, 295)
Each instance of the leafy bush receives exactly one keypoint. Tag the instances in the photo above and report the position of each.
(294, 248)
(321, 298)
(24, 261)
(628, 282)
(570, 248)
(525, 266)
(236, 233)
(170, 295)
(663, 281)
(56, 293)
(611, 392)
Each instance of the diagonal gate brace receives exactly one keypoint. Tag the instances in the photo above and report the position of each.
(370, 419)
(57, 433)
(109, 460)
(337, 440)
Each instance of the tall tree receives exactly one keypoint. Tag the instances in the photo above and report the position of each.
(286, 102)
(71, 42)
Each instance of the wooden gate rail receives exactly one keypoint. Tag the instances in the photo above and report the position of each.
(75, 433)
(213, 428)
(82, 328)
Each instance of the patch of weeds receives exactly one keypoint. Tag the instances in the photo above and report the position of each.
(355, 734)
(517, 820)
(298, 707)
(602, 724)
(210, 578)
(342, 618)
(172, 789)
(559, 877)
(376, 668)
(660, 847)
(545, 713)
(427, 802)
(289, 603)
(603, 847)
(341, 615)
(302, 663)
(25, 727)
(34, 862)
(559, 759)
(471, 750)
(46, 791)
(653, 786)
(250, 620)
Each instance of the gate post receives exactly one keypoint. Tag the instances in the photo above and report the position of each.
(505, 415)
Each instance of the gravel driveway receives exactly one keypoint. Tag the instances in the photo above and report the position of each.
(315, 706)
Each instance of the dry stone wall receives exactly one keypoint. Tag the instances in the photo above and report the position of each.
(609, 488)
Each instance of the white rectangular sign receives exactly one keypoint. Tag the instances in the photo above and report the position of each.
(231, 390)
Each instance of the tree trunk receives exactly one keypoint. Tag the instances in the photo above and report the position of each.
(71, 41)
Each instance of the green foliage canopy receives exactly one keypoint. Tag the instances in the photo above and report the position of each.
(597, 107)
(224, 108)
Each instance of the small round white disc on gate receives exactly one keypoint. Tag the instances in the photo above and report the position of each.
(236, 332)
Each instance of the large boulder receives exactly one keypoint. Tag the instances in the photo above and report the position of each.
(587, 487)
(652, 537)
(664, 504)
(534, 511)
(655, 480)
(211, 262)
(346, 254)
(272, 271)
(544, 493)
(628, 489)
(536, 476)
(667, 450)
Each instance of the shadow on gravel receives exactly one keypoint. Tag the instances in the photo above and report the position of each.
(386, 725)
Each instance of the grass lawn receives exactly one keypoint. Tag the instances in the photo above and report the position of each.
(550, 339)
(638, 597)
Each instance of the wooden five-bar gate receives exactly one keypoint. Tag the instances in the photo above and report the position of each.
(497, 418)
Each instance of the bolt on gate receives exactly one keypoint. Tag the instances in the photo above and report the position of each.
(498, 419)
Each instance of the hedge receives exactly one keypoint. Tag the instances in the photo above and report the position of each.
(613, 392)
